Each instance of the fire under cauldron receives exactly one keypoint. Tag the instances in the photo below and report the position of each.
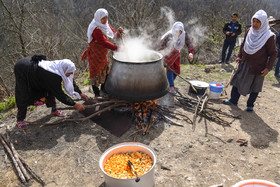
(137, 80)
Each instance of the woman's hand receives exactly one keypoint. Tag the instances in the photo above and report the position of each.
(237, 60)
(190, 57)
(84, 96)
(120, 30)
(79, 106)
(264, 72)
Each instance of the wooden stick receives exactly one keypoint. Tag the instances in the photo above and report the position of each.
(232, 73)
(39, 179)
(96, 104)
(196, 111)
(16, 155)
(20, 174)
(169, 68)
(134, 171)
(178, 114)
(86, 118)
(203, 103)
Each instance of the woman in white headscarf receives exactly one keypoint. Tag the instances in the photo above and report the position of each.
(99, 33)
(170, 45)
(39, 79)
(256, 58)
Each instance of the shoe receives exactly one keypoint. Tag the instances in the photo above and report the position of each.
(38, 103)
(58, 113)
(172, 90)
(277, 77)
(221, 62)
(228, 102)
(227, 62)
(250, 109)
(22, 125)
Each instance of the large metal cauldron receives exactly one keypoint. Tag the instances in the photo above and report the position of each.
(137, 81)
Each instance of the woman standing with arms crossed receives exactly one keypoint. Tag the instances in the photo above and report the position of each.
(99, 33)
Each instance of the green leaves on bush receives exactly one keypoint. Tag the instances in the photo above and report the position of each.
(7, 104)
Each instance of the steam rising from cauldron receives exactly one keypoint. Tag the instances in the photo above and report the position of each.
(135, 50)
(141, 48)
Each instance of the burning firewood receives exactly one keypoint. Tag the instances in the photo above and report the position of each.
(144, 114)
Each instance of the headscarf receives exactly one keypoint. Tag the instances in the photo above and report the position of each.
(178, 41)
(255, 40)
(96, 22)
(61, 67)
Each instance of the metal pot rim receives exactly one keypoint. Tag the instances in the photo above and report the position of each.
(123, 145)
(160, 56)
(199, 84)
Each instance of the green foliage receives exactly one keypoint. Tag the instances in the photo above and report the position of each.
(200, 65)
(270, 76)
(7, 104)
(31, 108)
(85, 78)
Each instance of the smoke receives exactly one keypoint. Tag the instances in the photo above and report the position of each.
(196, 31)
(166, 12)
(138, 48)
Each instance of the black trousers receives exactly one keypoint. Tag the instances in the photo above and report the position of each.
(230, 46)
(235, 97)
(50, 102)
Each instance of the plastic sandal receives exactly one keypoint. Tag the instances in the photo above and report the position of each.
(38, 103)
(59, 113)
(172, 90)
(22, 125)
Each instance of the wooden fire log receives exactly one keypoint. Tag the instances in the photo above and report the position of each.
(39, 179)
(20, 174)
(202, 101)
(16, 155)
(166, 110)
(88, 117)
(21, 161)
(96, 104)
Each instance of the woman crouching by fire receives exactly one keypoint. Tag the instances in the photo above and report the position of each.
(37, 78)
(170, 45)
(99, 33)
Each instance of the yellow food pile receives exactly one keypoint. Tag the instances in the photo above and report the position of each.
(117, 165)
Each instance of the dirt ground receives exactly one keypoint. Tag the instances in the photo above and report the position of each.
(68, 154)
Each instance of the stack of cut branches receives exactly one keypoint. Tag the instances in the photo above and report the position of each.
(199, 107)
(22, 168)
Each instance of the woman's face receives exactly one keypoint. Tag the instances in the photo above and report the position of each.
(68, 74)
(104, 20)
(178, 33)
(256, 24)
